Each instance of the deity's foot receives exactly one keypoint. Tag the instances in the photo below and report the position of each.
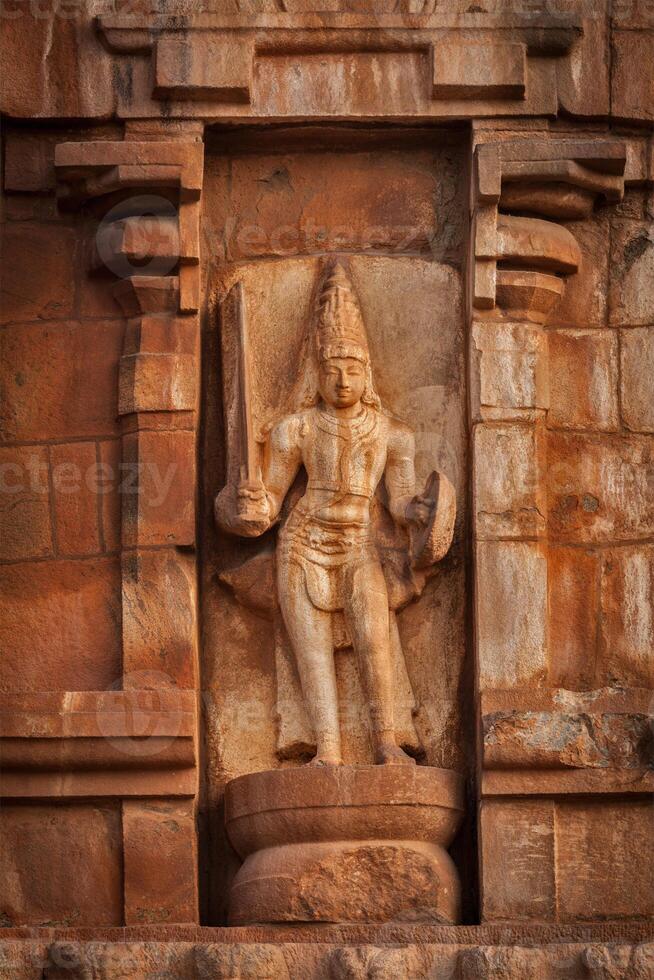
(392, 755)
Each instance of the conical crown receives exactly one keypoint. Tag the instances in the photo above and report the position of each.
(340, 328)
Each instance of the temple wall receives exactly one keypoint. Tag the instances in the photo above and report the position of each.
(486, 176)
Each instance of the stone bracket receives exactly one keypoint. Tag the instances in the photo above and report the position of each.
(532, 176)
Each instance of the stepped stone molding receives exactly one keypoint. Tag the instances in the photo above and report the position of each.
(446, 64)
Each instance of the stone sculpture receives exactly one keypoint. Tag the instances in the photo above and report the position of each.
(332, 584)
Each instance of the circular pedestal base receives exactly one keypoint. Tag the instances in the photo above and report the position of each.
(349, 844)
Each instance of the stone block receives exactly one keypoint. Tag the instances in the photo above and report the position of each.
(282, 205)
(38, 277)
(631, 273)
(526, 295)
(635, 14)
(583, 76)
(76, 498)
(163, 889)
(58, 69)
(584, 299)
(604, 860)
(599, 487)
(606, 730)
(159, 619)
(626, 655)
(60, 380)
(110, 481)
(511, 369)
(157, 382)
(573, 580)
(61, 865)
(508, 493)
(517, 860)
(25, 530)
(60, 625)
(139, 244)
(29, 163)
(159, 493)
(214, 68)
(632, 83)
(637, 378)
(479, 71)
(583, 379)
(511, 604)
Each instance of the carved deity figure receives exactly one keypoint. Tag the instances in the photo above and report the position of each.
(328, 565)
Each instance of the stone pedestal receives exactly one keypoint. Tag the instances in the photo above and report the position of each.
(346, 844)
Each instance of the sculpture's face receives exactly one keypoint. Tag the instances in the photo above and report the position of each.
(342, 381)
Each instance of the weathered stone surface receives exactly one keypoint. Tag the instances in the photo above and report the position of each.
(25, 529)
(110, 485)
(599, 848)
(583, 737)
(631, 272)
(82, 886)
(508, 494)
(636, 373)
(159, 891)
(573, 581)
(632, 84)
(76, 498)
(158, 504)
(584, 300)
(599, 487)
(583, 379)
(517, 854)
(627, 616)
(511, 613)
(60, 379)
(38, 272)
(221, 961)
(285, 205)
(511, 377)
(158, 618)
(60, 625)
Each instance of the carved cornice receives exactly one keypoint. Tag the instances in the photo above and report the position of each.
(447, 65)
(98, 743)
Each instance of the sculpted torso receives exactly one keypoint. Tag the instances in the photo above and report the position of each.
(345, 460)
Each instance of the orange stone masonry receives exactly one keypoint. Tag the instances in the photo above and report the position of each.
(327, 490)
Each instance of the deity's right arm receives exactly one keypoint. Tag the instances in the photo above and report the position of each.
(251, 508)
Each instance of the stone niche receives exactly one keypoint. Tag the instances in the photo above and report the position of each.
(277, 209)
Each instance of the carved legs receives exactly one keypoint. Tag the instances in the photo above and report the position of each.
(310, 632)
(367, 617)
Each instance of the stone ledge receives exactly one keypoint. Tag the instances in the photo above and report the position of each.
(97, 743)
(263, 961)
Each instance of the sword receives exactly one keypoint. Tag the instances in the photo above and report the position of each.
(250, 473)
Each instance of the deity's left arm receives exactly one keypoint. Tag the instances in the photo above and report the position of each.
(400, 475)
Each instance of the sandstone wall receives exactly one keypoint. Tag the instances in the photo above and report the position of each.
(123, 657)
